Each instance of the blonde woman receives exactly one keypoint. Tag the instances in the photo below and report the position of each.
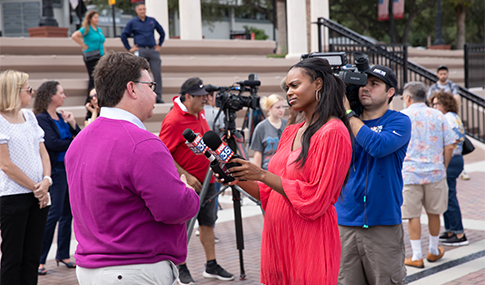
(267, 133)
(24, 182)
(90, 37)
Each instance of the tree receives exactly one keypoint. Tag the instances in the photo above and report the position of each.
(281, 25)
(460, 7)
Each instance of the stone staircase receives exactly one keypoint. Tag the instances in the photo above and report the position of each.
(217, 62)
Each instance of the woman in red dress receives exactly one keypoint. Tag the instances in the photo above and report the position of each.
(300, 241)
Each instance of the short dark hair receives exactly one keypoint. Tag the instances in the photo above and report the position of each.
(139, 3)
(44, 96)
(442, 67)
(417, 91)
(111, 74)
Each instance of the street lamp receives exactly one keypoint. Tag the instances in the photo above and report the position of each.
(47, 15)
(439, 35)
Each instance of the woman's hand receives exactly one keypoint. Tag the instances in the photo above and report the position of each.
(69, 117)
(90, 108)
(247, 170)
(41, 189)
(84, 46)
(43, 201)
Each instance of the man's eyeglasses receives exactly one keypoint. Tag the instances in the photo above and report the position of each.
(153, 85)
(435, 104)
(30, 90)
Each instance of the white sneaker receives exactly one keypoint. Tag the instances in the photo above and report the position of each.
(464, 176)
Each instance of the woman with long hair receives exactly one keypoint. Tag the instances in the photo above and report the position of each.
(454, 234)
(267, 133)
(24, 181)
(60, 129)
(91, 38)
(300, 241)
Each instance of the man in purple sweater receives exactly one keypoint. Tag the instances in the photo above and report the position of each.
(128, 203)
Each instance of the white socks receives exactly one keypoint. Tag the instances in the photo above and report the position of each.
(416, 246)
(433, 245)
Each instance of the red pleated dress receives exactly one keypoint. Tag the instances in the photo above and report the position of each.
(300, 241)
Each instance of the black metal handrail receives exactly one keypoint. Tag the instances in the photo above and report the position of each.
(396, 57)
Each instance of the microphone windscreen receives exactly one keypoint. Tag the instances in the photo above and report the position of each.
(212, 140)
(189, 135)
(252, 83)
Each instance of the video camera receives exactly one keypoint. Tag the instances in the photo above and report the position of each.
(354, 76)
(235, 102)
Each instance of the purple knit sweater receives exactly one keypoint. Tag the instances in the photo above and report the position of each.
(128, 202)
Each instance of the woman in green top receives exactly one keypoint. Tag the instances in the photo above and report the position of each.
(90, 38)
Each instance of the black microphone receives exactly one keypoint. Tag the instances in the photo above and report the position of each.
(222, 171)
(211, 88)
(194, 142)
(249, 83)
(222, 151)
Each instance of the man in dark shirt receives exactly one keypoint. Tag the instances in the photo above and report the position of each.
(142, 28)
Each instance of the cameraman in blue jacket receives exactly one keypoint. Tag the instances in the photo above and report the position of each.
(369, 209)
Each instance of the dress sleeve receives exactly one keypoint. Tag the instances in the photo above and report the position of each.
(321, 179)
(4, 136)
(39, 132)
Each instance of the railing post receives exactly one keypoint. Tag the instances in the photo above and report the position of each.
(320, 24)
(405, 63)
(467, 83)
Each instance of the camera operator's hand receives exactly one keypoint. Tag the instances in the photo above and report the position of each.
(346, 103)
(193, 182)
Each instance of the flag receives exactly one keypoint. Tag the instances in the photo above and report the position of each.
(398, 9)
(383, 10)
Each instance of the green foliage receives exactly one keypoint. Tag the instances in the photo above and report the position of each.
(419, 15)
(258, 33)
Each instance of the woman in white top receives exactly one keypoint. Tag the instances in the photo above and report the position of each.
(267, 133)
(24, 181)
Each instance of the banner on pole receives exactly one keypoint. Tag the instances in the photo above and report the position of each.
(383, 10)
(398, 9)
(111, 2)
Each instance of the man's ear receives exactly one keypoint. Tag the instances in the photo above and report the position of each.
(130, 87)
(391, 92)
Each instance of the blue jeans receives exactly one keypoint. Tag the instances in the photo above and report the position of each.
(452, 216)
(60, 211)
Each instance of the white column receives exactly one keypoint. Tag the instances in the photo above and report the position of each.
(190, 20)
(297, 33)
(319, 8)
(158, 9)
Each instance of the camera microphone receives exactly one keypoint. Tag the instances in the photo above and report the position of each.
(194, 142)
(249, 83)
(211, 88)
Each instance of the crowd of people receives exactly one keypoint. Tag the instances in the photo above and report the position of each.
(335, 185)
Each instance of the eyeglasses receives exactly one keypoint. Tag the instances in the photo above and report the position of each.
(30, 90)
(435, 104)
(153, 85)
(92, 96)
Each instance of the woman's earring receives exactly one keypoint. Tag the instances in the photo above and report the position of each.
(317, 95)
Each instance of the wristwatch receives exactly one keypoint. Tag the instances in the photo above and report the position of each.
(48, 179)
(350, 113)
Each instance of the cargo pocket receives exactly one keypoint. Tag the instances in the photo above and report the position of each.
(398, 277)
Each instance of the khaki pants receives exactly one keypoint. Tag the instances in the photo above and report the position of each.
(160, 273)
(372, 256)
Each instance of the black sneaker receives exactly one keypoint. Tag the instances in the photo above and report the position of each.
(217, 272)
(455, 241)
(444, 236)
(184, 275)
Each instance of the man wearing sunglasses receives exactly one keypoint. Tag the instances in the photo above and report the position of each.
(129, 203)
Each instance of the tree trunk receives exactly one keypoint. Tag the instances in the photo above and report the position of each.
(460, 26)
(308, 25)
(281, 25)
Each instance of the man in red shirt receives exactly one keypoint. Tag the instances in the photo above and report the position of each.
(188, 112)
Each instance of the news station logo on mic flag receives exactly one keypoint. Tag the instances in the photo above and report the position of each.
(224, 152)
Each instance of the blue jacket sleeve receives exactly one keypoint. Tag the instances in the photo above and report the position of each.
(161, 32)
(395, 133)
(125, 34)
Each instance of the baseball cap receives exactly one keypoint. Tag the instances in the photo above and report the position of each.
(384, 73)
(193, 86)
(442, 67)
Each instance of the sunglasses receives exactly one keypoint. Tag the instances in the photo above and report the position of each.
(92, 96)
(30, 90)
(153, 85)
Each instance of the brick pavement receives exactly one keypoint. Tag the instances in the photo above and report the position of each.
(470, 194)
